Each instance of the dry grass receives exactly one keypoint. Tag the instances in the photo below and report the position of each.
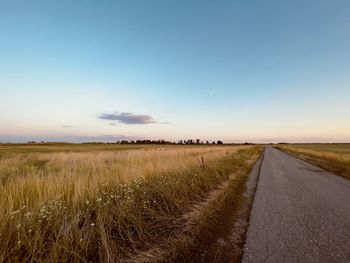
(332, 157)
(214, 229)
(102, 204)
(208, 235)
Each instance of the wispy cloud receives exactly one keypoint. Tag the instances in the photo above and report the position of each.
(129, 118)
(66, 126)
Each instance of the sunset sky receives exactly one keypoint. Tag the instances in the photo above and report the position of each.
(230, 70)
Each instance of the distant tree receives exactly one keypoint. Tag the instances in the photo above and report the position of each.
(180, 142)
(207, 142)
(190, 141)
(220, 142)
(198, 141)
(213, 142)
(124, 142)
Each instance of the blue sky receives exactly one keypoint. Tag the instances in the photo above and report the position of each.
(230, 70)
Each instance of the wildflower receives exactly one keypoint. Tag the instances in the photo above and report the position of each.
(92, 224)
(15, 212)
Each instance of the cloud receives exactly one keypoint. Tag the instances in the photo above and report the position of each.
(66, 126)
(129, 118)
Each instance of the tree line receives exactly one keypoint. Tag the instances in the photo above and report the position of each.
(189, 141)
(160, 141)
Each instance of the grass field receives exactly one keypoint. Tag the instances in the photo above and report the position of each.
(332, 157)
(107, 203)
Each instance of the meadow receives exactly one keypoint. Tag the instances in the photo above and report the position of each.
(332, 157)
(108, 203)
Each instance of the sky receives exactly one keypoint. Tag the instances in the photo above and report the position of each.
(231, 70)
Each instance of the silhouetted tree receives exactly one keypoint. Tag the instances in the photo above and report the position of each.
(190, 141)
(220, 142)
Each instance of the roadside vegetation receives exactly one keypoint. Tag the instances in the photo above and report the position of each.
(110, 203)
(332, 157)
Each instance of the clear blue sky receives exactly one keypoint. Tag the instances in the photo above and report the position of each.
(230, 70)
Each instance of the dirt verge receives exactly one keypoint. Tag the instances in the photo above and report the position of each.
(214, 230)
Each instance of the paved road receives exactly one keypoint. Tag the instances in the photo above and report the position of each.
(300, 213)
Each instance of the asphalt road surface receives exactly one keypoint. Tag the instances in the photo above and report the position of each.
(300, 213)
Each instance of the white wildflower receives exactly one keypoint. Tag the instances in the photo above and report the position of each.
(15, 212)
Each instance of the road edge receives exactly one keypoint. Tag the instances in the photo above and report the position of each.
(249, 207)
(318, 162)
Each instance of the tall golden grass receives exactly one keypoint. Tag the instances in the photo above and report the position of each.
(102, 205)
